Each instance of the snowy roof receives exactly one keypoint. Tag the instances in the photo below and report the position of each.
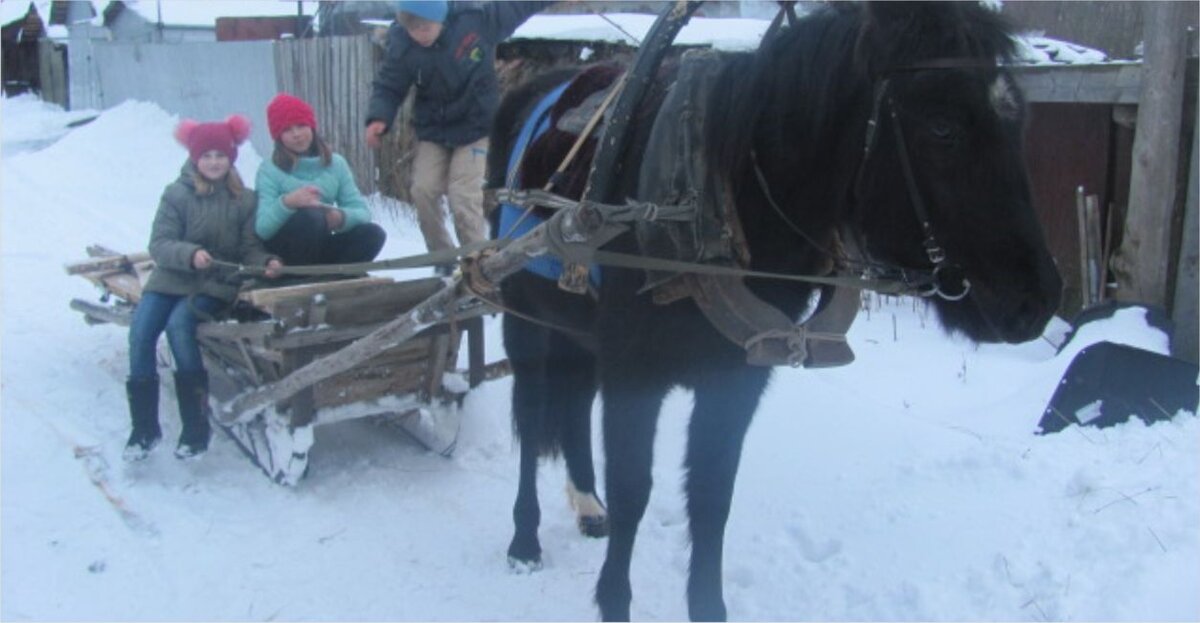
(192, 13)
(1037, 49)
(724, 34)
(745, 33)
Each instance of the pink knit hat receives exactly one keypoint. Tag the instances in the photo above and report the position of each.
(223, 136)
(286, 111)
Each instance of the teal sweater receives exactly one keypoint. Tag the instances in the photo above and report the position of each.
(335, 182)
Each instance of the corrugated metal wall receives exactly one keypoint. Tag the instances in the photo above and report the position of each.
(204, 81)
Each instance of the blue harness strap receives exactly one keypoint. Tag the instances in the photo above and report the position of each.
(512, 225)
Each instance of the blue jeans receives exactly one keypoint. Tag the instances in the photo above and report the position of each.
(156, 312)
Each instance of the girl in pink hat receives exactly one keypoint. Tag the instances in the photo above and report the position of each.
(204, 216)
(309, 208)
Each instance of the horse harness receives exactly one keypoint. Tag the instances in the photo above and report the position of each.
(690, 239)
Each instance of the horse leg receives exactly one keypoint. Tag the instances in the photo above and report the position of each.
(574, 382)
(526, 345)
(630, 417)
(722, 413)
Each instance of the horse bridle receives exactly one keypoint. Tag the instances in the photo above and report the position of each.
(946, 279)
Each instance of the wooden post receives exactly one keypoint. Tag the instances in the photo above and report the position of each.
(1185, 309)
(1140, 265)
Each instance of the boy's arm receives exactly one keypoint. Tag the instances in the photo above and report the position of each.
(391, 84)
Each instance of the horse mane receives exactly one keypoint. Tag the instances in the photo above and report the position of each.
(803, 79)
(797, 81)
(966, 30)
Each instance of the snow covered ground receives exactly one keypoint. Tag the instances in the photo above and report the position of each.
(908, 486)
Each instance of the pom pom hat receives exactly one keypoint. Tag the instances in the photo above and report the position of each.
(286, 111)
(223, 136)
(432, 10)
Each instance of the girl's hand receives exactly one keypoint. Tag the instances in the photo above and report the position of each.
(201, 259)
(303, 197)
(274, 267)
(334, 219)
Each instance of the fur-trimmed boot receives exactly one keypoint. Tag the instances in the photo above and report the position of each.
(143, 412)
(191, 390)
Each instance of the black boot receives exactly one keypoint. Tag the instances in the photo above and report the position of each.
(191, 390)
(143, 411)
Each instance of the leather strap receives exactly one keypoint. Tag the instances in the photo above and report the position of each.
(769, 337)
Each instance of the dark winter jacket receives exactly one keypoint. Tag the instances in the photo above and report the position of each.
(457, 91)
(218, 222)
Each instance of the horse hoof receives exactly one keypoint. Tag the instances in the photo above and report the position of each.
(595, 526)
(524, 567)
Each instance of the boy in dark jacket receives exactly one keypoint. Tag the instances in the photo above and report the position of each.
(447, 51)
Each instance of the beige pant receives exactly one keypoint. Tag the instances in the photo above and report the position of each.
(456, 173)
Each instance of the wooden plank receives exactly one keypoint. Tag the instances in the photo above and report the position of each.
(302, 407)
(358, 307)
(109, 263)
(358, 385)
(436, 364)
(1185, 308)
(222, 384)
(229, 354)
(1113, 83)
(416, 350)
(1141, 263)
(266, 298)
(99, 314)
(237, 330)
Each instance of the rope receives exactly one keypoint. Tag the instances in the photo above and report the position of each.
(412, 261)
(637, 42)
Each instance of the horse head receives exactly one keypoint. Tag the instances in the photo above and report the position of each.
(942, 188)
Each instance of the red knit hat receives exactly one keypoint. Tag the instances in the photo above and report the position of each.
(286, 111)
(223, 136)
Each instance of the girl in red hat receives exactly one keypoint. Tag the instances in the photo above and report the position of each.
(309, 208)
(205, 215)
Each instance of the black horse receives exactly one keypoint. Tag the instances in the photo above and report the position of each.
(893, 125)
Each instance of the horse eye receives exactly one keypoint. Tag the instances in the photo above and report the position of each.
(943, 130)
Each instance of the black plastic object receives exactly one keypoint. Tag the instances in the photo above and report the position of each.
(1107, 383)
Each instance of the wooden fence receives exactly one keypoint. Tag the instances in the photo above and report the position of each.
(334, 75)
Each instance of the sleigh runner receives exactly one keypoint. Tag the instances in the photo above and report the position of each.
(413, 385)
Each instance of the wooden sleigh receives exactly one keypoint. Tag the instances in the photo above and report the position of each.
(413, 384)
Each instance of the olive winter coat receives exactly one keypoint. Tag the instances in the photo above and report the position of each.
(218, 222)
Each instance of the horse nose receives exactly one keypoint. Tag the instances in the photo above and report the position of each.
(1034, 311)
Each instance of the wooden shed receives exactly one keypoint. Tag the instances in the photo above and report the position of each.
(1080, 135)
(263, 28)
(32, 63)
